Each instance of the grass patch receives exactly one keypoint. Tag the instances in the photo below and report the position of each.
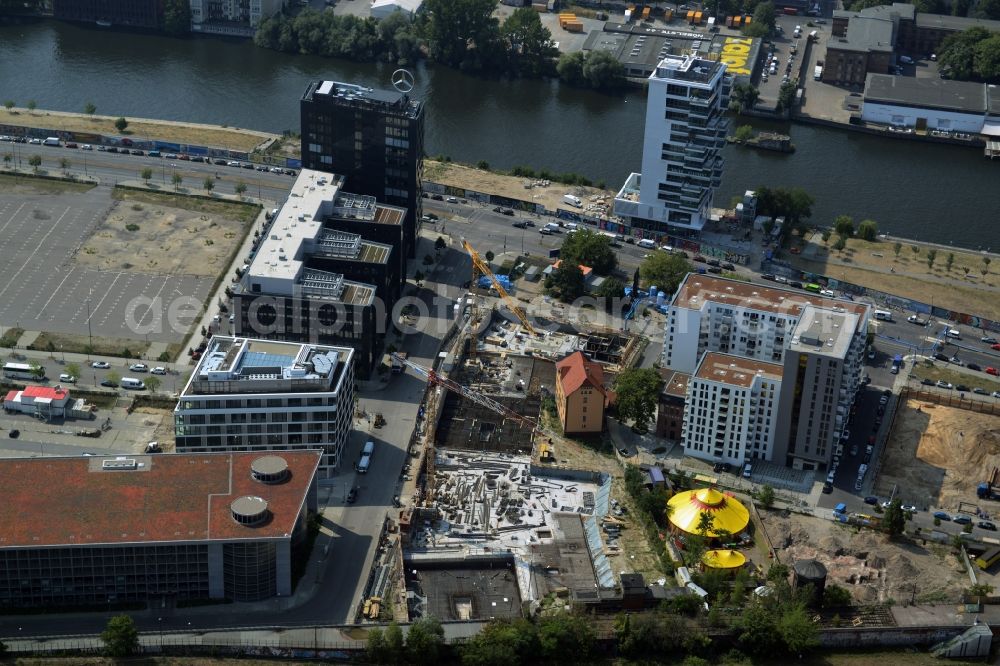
(11, 337)
(244, 212)
(42, 184)
(939, 372)
(80, 344)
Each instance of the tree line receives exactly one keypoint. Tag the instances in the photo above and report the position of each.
(463, 34)
(972, 55)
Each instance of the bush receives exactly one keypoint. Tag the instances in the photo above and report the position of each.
(132, 227)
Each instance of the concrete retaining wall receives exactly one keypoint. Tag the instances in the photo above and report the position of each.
(853, 638)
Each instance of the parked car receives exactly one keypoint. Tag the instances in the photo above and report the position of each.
(974, 366)
(909, 508)
(728, 266)
(100, 365)
(927, 382)
(962, 388)
(767, 276)
(700, 259)
(139, 367)
(827, 293)
(871, 499)
(992, 371)
(962, 519)
(988, 339)
(109, 383)
(943, 384)
(986, 525)
(158, 370)
(519, 225)
(437, 197)
(941, 515)
(980, 391)
(352, 495)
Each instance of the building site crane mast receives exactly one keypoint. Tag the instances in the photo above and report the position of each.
(482, 267)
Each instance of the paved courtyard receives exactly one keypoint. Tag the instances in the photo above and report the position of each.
(46, 290)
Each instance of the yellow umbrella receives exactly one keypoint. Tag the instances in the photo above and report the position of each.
(726, 511)
(723, 559)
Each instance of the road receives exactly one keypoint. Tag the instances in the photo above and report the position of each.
(112, 168)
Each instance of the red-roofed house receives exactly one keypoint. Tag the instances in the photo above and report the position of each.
(44, 401)
(580, 394)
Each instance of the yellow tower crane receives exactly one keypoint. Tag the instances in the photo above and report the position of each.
(482, 267)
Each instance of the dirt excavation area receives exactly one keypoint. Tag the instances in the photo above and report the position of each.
(937, 455)
(865, 562)
(155, 238)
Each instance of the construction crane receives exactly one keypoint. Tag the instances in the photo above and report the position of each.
(483, 267)
(434, 379)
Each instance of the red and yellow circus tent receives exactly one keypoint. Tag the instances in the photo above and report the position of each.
(728, 514)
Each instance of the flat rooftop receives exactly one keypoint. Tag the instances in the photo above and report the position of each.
(697, 289)
(822, 331)
(675, 383)
(237, 365)
(927, 93)
(352, 94)
(164, 497)
(465, 591)
(689, 69)
(735, 370)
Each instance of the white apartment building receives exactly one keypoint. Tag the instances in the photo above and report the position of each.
(710, 313)
(822, 369)
(265, 395)
(682, 148)
(249, 13)
(732, 409)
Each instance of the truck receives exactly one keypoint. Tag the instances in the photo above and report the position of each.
(51, 141)
(818, 72)
(572, 200)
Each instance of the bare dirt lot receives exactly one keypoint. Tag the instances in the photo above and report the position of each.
(143, 234)
(961, 285)
(938, 454)
(865, 562)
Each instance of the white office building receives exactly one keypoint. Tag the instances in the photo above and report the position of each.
(732, 409)
(682, 149)
(265, 395)
(234, 14)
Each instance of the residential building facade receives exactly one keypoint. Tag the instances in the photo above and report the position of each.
(732, 409)
(670, 407)
(146, 529)
(682, 149)
(373, 137)
(263, 395)
(238, 17)
(581, 396)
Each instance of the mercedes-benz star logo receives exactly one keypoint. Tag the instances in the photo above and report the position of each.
(402, 80)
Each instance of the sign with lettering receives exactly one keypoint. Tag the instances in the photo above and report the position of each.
(735, 54)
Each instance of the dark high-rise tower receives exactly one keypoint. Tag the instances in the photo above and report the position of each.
(374, 138)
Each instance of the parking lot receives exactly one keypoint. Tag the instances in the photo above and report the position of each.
(47, 291)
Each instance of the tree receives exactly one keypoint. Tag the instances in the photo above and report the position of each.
(424, 641)
(897, 248)
(894, 520)
(35, 161)
(393, 643)
(8, 104)
(766, 496)
(528, 42)
(146, 174)
(764, 15)
(570, 68)
(839, 244)
(113, 376)
(176, 179)
(958, 54)
(986, 264)
(743, 133)
(786, 95)
(121, 124)
(949, 261)
(758, 630)
(844, 225)
(462, 33)
(565, 637)
(36, 370)
(931, 256)
(743, 96)
(152, 383)
(589, 248)
(240, 188)
(32, 105)
(638, 393)
(7, 157)
(868, 230)
(375, 647)
(650, 636)
(603, 71)
(440, 243)
(89, 108)
(664, 270)
(610, 289)
(567, 282)
(73, 369)
(502, 643)
(835, 596)
(208, 184)
(418, 277)
(177, 17)
(797, 630)
(120, 637)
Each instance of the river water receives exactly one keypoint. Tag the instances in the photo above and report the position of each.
(930, 192)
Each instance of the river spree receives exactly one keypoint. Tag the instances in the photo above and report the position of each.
(931, 192)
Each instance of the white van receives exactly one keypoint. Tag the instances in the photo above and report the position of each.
(883, 315)
(573, 200)
(365, 463)
(68, 379)
(51, 141)
(369, 449)
(647, 243)
(572, 226)
(133, 383)
(954, 333)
